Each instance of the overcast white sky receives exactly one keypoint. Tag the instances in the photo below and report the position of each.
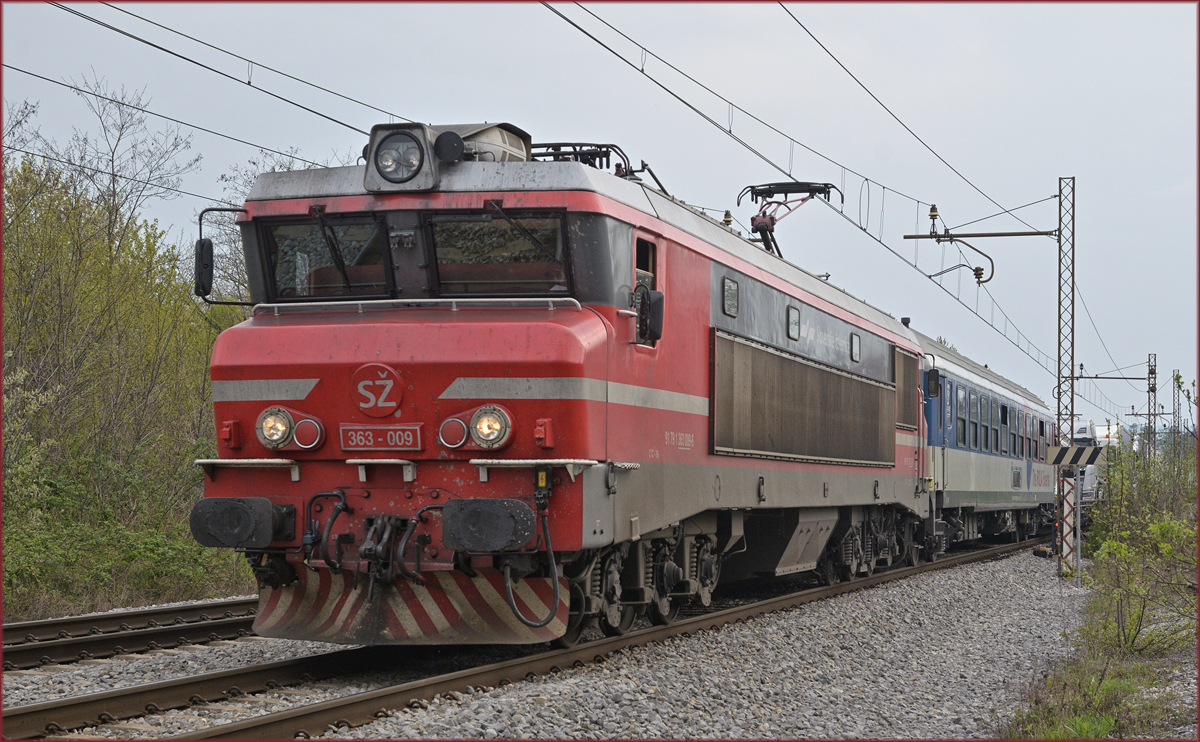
(1013, 96)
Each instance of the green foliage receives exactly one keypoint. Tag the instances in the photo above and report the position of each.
(946, 343)
(106, 401)
(1143, 546)
(1142, 616)
(1092, 697)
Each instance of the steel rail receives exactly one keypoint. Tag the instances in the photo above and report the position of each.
(36, 720)
(39, 719)
(360, 708)
(90, 646)
(61, 628)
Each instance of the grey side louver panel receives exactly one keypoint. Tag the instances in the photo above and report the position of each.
(771, 404)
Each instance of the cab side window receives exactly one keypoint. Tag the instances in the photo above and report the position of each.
(645, 270)
(645, 264)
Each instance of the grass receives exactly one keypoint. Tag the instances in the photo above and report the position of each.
(1099, 693)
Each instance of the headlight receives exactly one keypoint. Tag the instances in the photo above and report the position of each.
(490, 427)
(399, 157)
(275, 427)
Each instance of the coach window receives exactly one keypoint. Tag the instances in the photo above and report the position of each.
(1004, 429)
(855, 347)
(974, 419)
(1020, 451)
(985, 422)
(961, 404)
(995, 426)
(793, 323)
(1042, 440)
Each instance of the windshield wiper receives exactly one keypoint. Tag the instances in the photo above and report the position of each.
(334, 252)
(524, 232)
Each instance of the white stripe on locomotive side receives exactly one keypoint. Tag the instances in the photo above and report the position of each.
(262, 390)
(575, 388)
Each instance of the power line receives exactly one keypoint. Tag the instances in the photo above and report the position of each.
(1020, 336)
(1031, 350)
(118, 175)
(670, 92)
(906, 128)
(727, 101)
(161, 116)
(1088, 312)
(1123, 368)
(965, 179)
(1002, 213)
(947, 164)
(259, 64)
(204, 66)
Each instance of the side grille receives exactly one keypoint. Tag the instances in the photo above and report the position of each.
(771, 403)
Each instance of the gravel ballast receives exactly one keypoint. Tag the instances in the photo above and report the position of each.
(61, 681)
(942, 654)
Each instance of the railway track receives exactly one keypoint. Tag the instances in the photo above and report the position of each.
(52, 717)
(58, 640)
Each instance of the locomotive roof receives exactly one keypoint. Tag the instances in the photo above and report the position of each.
(958, 359)
(574, 176)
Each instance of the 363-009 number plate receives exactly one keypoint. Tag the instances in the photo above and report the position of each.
(381, 437)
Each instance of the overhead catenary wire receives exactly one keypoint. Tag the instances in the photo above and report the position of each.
(1029, 349)
(943, 160)
(668, 91)
(1104, 345)
(906, 127)
(147, 111)
(214, 70)
(733, 106)
(258, 64)
(1002, 213)
(118, 175)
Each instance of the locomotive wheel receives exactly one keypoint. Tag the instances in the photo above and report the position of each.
(849, 562)
(664, 609)
(615, 619)
(827, 571)
(628, 614)
(660, 614)
(577, 623)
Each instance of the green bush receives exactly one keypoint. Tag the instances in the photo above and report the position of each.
(106, 395)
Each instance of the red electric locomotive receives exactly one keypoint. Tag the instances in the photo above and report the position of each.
(491, 392)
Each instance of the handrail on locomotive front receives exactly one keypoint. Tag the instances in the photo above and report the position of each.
(452, 303)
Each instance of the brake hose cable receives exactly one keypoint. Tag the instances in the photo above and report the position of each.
(508, 585)
(408, 532)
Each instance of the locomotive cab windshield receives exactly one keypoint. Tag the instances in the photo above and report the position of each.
(496, 253)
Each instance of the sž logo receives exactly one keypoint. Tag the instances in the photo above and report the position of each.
(375, 390)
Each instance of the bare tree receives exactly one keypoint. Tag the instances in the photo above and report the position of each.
(126, 163)
(229, 261)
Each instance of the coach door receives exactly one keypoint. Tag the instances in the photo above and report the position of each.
(946, 424)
